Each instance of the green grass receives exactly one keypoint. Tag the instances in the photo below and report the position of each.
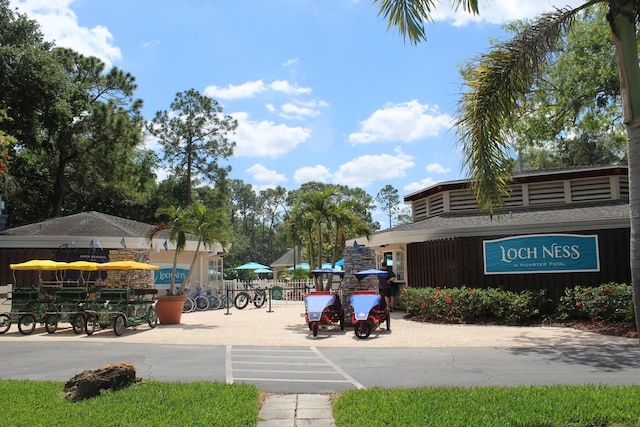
(539, 406)
(148, 403)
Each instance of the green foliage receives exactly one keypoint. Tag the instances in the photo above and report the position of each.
(610, 302)
(469, 304)
(549, 406)
(147, 403)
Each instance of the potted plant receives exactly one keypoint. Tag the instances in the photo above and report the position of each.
(208, 226)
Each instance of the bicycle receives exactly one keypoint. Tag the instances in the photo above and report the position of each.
(195, 301)
(256, 295)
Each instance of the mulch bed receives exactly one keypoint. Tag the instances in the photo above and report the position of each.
(617, 329)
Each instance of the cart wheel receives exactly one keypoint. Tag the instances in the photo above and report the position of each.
(241, 301)
(5, 323)
(341, 322)
(315, 328)
(310, 325)
(202, 303)
(363, 330)
(90, 324)
(78, 323)
(50, 323)
(388, 322)
(26, 324)
(118, 325)
(259, 299)
(152, 317)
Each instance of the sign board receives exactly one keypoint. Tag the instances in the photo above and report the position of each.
(541, 253)
(163, 276)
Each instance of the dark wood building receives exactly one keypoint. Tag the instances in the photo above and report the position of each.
(446, 244)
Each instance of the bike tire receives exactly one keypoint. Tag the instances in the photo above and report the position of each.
(5, 323)
(259, 299)
(26, 324)
(189, 305)
(241, 300)
(202, 303)
(214, 302)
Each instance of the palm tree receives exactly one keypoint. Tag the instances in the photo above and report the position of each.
(499, 80)
(208, 226)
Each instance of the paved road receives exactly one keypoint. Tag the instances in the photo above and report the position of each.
(276, 352)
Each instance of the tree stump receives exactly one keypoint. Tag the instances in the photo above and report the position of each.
(90, 383)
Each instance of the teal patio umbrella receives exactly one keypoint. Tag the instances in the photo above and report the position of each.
(251, 266)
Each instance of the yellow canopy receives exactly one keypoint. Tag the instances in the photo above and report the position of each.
(82, 265)
(127, 265)
(39, 264)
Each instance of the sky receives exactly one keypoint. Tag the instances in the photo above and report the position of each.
(321, 90)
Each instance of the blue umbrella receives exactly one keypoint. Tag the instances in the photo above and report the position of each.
(340, 262)
(251, 266)
(328, 270)
(262, 270)
(372, 271)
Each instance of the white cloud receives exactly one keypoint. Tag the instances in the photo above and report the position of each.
(265, 176)
(285, 87)
(317, 173)
(436, 168)
(404, 122)
(250, 89)
(60, 24)
(363, 170)
(265, 138)
(245, 90)
(501, 11)
(290, 62)
(301, 110)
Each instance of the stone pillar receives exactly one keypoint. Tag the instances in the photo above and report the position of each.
(357, 259)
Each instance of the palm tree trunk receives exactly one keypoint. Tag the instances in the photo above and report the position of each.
(622, 21)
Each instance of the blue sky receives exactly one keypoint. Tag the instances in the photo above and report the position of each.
(321, 90)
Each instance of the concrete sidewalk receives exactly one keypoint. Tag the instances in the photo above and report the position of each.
(285, 326)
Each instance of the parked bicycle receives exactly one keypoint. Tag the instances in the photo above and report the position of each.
(195, 301)
(256, 295)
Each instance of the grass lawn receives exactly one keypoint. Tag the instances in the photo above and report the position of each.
(539, 406)
(148, 403)
(151, 403)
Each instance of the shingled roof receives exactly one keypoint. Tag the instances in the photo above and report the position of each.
(85, 224)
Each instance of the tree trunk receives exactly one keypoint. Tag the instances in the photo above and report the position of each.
(90, 383)
(622, 22)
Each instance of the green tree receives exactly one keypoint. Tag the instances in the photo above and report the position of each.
(207, 225)
(571, 115)
(388, 198)
(503, 76)
(194, 137)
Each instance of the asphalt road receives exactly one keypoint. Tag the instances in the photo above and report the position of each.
(311, 369)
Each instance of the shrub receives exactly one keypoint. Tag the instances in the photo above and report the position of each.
(610, 302)
(469, 304)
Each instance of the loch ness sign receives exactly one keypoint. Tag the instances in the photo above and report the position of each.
(541, 253)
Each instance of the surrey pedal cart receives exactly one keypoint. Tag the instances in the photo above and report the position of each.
(323, 307)
(131, 304)
(368, 307)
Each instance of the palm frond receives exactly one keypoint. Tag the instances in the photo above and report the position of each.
(498, 80)
(409, 16)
